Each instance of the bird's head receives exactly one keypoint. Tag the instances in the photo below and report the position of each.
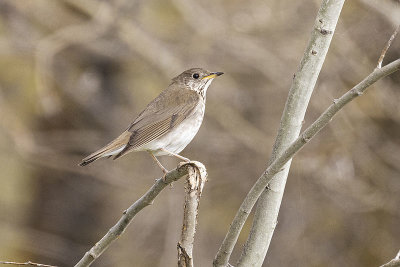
(196, 79)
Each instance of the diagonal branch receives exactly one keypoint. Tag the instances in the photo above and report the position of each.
(394, 262)
(129, 214)
(290, 126)
(267, 210)
(276, 166)
(385, 49)
(194, 187)
(28, 263)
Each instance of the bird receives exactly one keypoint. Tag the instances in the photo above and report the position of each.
(167, 124)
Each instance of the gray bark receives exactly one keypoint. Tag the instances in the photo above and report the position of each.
(266, 214)
(129, 214)
(197, 176)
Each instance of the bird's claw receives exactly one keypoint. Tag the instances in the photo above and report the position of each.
(165, 171)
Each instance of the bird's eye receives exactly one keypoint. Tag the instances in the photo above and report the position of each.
(196, 75)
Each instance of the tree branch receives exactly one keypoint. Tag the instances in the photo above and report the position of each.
(393, 263)
(29, 263)
(194, 187)
(267, 210)
(276, 166)
(291, 123)
(128, 215)
(385, 49)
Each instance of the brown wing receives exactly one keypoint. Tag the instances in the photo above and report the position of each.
(108, 149)
(160, 116)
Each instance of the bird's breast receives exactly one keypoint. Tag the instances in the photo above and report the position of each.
(181, 135)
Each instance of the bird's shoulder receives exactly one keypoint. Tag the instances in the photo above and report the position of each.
(170, 102)
(173, 96)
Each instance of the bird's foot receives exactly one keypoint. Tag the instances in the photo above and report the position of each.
(183, 158)
(175, 155)
(165, 171)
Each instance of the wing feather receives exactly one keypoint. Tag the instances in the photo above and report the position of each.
(153, 123)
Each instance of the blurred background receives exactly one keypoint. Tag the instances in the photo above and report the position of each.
(73, 74)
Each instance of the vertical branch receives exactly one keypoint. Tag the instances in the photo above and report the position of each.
(266, 214)
(197, 176)
(277, 165)
(292, 119)
(118, 229)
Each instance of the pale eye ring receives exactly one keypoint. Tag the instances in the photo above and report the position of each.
(196, 76)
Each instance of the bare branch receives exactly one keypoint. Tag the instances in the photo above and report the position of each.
(266, 213)
(194, 187)
(291, 122)
(393, 263)
(130, 213)
(29, 263)
(385, 49)
(276, 166)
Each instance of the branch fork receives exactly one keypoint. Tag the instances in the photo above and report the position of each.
(193, 168)
(197, 176)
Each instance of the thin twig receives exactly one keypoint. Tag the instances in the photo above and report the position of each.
(194, 187)
(27, 263)
(255, 192)
(129, 214)
(48, 47)
(394, 262)
(385, 49)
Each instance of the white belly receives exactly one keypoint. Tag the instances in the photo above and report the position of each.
(178, 138)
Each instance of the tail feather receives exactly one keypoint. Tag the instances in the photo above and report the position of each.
(114, 147)
(96, 155)
(87, 161)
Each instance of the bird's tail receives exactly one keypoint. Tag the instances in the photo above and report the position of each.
(113, 148)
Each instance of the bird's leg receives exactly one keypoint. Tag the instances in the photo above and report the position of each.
(164, 170)
(175, 155)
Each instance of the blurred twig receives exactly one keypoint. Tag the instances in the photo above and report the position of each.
(247, 50)
(50, 46)
(146, 45)
(388, 9)
(137, 39)
(238, 126)
(26, 263)
(129, 214)
(197, 176)
(27, 146)
(276, 166)
(38, 242)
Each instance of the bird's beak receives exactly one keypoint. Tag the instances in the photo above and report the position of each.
(213, 75)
